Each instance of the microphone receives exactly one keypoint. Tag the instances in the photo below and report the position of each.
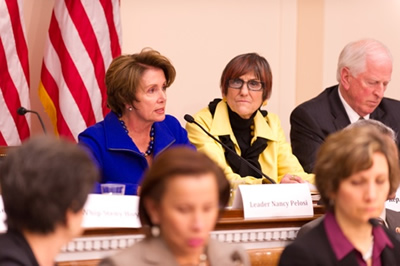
(190, 119)
(23, 111)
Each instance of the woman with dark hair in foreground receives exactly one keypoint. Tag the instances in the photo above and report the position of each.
(44, 184)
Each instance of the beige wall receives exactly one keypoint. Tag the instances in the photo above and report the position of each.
(355, 19)
(300, 38)
(310, 44)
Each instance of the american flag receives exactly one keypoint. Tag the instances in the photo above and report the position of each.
(84, 36)
(14, 74)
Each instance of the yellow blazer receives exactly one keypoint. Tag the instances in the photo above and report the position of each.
(276, 160)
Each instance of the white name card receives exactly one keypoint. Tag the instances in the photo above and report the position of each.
(102, 211)
(274, 201)
(111, 211)
(394, 204)
(3, 226)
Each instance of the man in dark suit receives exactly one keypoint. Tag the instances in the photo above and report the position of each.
(364, 71)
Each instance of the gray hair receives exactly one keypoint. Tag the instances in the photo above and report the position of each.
(382, 128)
(354, 55)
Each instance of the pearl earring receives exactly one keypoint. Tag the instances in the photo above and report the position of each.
(155, 230)
(130, 108)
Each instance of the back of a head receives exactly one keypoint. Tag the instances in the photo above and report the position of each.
(179, 161)
(42, 179)
(354, 54)
(349, 151)
(381, 127)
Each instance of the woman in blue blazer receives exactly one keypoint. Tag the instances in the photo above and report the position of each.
(137, 129)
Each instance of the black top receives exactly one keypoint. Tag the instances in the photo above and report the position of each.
(242, 129)
(15, 250)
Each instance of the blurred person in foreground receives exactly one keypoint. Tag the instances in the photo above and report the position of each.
(181, 199)
(45, 183)
(364, 71)
(238, 121)
(356, 170)
(137, 129)
(389, 218)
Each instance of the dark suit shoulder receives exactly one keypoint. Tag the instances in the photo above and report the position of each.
(391, 102)
(393, 220)
(312, 248)
(391, 256)
(15, 250)
(308, 226)
(320, 101)
(321, 115)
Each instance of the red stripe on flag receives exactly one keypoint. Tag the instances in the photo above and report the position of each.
(71, 74)
(2, 140)
(52, 90)
(11, 96)
(88, 30)
(108, 11)
(89, 40)
(21, 46)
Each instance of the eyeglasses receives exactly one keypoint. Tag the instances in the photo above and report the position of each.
(252, 85)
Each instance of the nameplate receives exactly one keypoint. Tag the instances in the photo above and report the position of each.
(394, 204)
(111, 211)
(274, 201)
(3, 226)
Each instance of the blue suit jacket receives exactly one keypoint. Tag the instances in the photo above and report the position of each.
(312, 121)
(117, 156)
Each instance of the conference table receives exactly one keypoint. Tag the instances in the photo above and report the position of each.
(263, 239)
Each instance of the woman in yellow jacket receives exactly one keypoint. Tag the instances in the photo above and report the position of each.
(238, 122)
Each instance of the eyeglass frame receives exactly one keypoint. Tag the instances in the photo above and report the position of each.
(247, 84)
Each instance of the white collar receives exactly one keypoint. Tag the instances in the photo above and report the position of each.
(353, 116)
(383, 217)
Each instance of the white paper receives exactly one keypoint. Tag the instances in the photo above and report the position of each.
(111, 211)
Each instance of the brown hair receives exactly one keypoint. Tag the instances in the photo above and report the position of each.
(125, 72)
(349, 151)
(174, 162)
(246, 63)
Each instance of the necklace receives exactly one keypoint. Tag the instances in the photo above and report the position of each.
(367, 255)
(152, 134)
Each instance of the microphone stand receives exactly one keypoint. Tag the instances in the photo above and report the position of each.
(190, 119)
(23, 111)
